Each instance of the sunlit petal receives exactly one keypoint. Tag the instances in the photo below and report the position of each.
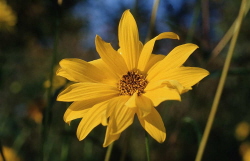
(91, 119)
(109, 138)
(129, 39)
(61, 72)
(85, 91)
(79, 108)
(153, 60)
(154, 125)
(141, 102)
(162, 94)
(82, 71)
(111, 57)
(106, 71)
(120, 118)
(115, 103)
(148, 48)
(186, 76)
(174, 59)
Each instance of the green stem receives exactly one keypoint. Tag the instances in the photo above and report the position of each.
(147, 146)
(108, 153)
(221, 83)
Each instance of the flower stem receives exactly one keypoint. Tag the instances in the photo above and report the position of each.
(147, 146)
(221, 83)
(108, 153)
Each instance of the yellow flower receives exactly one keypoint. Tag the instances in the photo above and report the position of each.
(124, 83)
(7, 17)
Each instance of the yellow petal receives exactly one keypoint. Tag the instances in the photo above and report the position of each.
(153, 60)
(154, 125)
(121, 118)
(173, 60)
(61, 72)
(81, 70)
(144, 104)
(173, 84)
(129, 40)
(140, 46)
(86, 91)
(131, 103)
(76, 110)
(186, 76)
(109, 138)
(162, 94)
(106, 71)
(148, 48)
(111, 57)
(79, 108)
(141, 102)
(117, 102)
(91, 119)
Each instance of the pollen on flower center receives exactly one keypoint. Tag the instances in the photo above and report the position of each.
(132, 82)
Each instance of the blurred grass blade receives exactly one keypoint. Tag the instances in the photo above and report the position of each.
(222, 82)
(152, 20)
(223, 42)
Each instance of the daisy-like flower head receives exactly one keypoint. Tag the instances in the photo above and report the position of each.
(128, 82)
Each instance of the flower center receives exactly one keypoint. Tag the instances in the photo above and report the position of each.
(132, 82)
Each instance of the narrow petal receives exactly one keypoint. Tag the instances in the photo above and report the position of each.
(81, 70)
(86, 91)
(91, 119)
(174, 59)
(109, 138)
(61, 72)
(186, 76)
(153, 60)
(115, 103)
(111, 57)
(131, 103)
(148, 48)
(121, 118)
(79, 108)
(144, 104)
(162, 94)
(141, 102)
(154, 125)
(140, 46)
(70, 114)
(129, 39)
(106, 71)
(172, 84)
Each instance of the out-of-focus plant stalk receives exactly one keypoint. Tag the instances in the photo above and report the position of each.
(194, 21)
(152, 19)
(221, 82)
(228, 35)
(47, 112)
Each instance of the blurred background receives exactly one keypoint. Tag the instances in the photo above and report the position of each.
(34, 34)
